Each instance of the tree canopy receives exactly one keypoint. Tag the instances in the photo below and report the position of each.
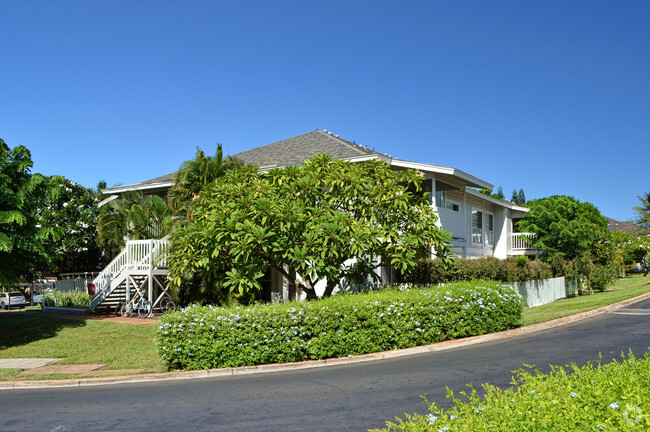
(315, 219)
(564, 226)
(132, 217)
(67, 214)
(519, 197)
(21, 250)
(194, 175)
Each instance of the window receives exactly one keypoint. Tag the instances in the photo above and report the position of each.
(439, 199)
(452, 205)
(477, 226)
(489, 228)
(443, 202)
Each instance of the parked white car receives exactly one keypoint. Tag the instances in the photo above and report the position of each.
(17, 299)
(38, 297)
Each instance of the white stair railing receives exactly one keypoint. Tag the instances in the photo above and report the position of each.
(139, 255)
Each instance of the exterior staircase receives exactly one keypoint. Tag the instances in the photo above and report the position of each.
(141, 266)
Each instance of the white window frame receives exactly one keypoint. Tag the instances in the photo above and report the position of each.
(488, 227)
(443, 202)
(477, 226)
(452, 205)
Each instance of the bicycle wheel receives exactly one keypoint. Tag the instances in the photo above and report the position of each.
(127, 309)
(144, 308)
(166, 303)
(118, 307)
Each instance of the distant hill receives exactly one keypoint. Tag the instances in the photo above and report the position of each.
(614, 225)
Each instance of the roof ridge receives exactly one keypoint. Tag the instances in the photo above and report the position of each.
(344, 141)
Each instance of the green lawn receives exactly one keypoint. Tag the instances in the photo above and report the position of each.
(127, 346)
(121, 346)
(622, 289)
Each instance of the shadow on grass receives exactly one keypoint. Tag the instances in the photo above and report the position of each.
(22, 328)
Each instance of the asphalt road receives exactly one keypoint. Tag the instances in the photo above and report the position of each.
(340, 398)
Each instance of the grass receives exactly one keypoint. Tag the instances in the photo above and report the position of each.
(126, 346)
(622, 289)
(121, 346)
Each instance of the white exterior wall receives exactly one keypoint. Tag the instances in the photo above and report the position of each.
(501, 232)
(460, 224)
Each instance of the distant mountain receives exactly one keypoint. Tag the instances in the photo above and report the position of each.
(614, 225)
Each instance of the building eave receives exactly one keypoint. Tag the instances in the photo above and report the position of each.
(506, 204)
(137, 187)
(469, 179)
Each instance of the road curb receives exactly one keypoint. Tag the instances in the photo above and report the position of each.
(281, 367)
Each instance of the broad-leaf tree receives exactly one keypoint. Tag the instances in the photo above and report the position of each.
(565, 226)
(635, 248)
(67, 215)
(315, 220)
(21, 251)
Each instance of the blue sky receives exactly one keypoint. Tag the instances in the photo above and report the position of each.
(550, 96)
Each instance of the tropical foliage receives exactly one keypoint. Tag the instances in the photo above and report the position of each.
(132, 217)
(564, 226)
(67, 214)
(21, 251)
(73, 299)
(635, 248)
(194, 175)
(316, 219)
(511, 269)
(593, 397)
(643, 211)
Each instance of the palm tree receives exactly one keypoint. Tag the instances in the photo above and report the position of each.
(193, 175)
(643, 211)
(150, 218)
(132, 217)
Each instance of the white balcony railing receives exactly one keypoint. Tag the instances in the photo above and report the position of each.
(522, 241)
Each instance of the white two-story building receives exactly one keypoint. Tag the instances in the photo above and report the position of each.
(480, 225)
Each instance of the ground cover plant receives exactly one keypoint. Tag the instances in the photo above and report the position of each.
(594, 397)
(344, 325)
(74, 299)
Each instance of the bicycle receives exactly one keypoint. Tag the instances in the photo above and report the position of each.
(166, 304)
(137, 304)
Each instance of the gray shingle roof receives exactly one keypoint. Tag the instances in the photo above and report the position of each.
(294, 151)
(161, 179)
(291, 151)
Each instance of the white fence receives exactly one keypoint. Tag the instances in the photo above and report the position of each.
(542, 291)
(77, 283)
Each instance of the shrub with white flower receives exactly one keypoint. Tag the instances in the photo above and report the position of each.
(575, 398)
(343, 325)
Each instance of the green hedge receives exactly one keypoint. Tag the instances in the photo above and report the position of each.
(512, 269)
(594, 397)
(343, 325)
